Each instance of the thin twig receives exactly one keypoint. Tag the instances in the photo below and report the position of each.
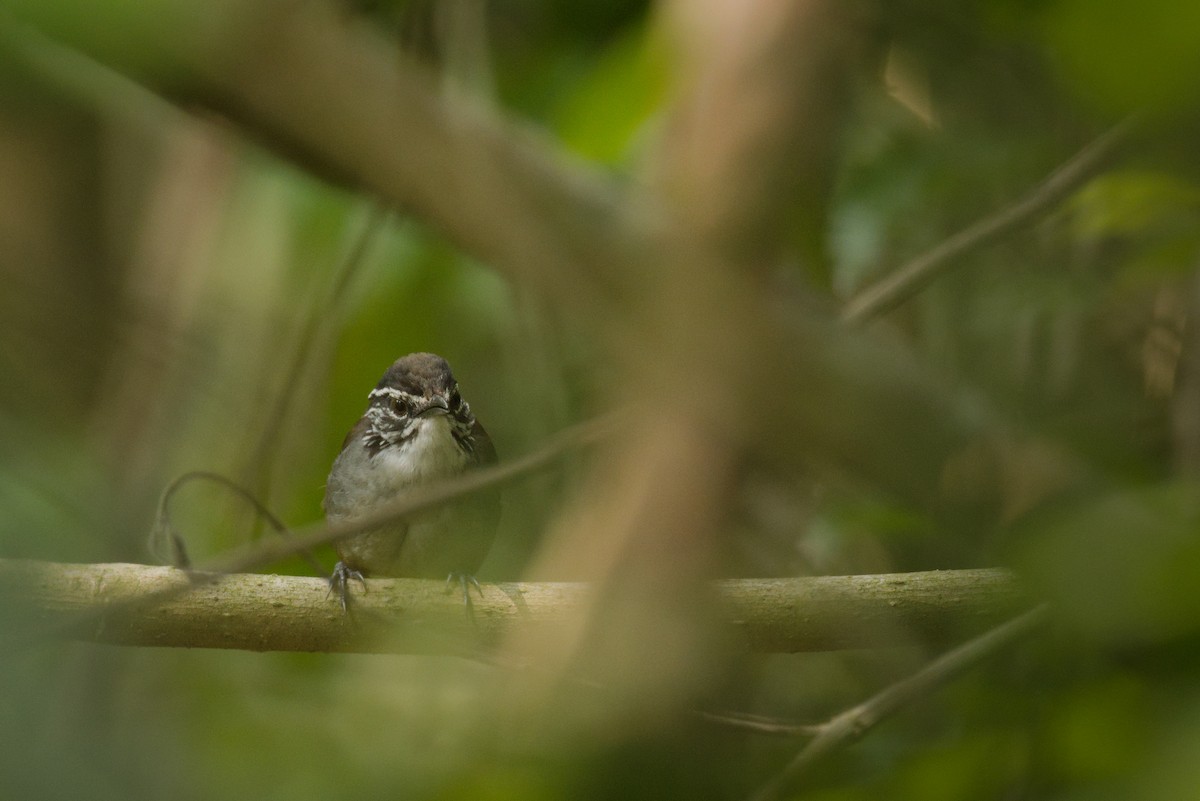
(167, 544)
(267, 552)
(910, 278)
(856, 721)
(760, 724)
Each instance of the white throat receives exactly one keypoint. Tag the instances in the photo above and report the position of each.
(431, 453)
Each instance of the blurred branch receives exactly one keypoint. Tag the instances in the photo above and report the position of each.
(323, 88)
(646, 528)
(108, 603)
(749, 149)
(329, 93)
(910, 278)
(858, 720)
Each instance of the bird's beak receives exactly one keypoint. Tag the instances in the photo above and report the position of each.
(437, 405)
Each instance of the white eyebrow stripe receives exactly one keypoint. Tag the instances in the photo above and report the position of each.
(389, 392)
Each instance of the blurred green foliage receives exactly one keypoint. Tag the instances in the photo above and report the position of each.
(157, 274)
(1129, 57)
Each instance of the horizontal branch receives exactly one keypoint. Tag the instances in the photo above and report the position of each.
(261, 612)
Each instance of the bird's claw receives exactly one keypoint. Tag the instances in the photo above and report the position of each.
(465, 581)
(340, 581)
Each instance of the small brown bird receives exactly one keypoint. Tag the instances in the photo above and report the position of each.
(417, 429)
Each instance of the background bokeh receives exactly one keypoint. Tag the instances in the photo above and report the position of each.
(178, 293)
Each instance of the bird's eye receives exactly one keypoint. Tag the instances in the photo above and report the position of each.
(455, 399)
(399, 404)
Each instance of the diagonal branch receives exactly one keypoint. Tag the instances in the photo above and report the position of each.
(325, 92)
(84, 616)
(322, 88)
(856, 721)
(267, 552)
(910, 278)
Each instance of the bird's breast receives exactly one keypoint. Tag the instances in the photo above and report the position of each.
(361, 480)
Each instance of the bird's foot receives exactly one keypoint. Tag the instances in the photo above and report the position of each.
(465, 581)
(340, 581)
